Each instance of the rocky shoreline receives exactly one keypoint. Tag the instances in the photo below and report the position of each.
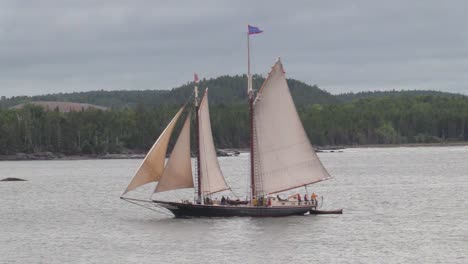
(60, 156)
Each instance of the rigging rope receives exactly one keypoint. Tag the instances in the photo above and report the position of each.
(131, 200)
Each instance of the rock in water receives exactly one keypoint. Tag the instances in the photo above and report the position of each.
(13, 179)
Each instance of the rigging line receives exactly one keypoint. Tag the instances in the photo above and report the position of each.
(233, 193)
(161, 210)
(258, 168)
(129, 200)
(138, 200)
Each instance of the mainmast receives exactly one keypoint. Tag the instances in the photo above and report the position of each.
(250, 31)
(197, 139)
(251, 116)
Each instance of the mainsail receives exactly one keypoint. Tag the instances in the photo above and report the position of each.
(152, 167)
(284, 156)
(211, 177)
(178, 171)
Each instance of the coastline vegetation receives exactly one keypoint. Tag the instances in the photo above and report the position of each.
(133, 121)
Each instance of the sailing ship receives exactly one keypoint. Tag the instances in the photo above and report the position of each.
(281, 157)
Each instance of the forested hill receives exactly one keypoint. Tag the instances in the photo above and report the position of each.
(387, 120)
(222, 90)
(348, 97)
(136, 118)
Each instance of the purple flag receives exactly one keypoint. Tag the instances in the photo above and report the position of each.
(254, 30)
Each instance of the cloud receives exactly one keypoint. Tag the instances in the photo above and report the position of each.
(63, 46)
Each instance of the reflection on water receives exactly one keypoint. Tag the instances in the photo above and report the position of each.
(400, 205)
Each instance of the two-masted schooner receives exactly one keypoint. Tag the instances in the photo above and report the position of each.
(282, 158)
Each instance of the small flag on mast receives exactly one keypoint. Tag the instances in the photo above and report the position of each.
(195, 77)
(254, 30)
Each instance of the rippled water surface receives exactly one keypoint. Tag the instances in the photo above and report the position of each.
(401, 205)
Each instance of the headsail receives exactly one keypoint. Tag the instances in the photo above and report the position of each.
(285, 158)
(152, 167)
(211, 177)
(178, 171)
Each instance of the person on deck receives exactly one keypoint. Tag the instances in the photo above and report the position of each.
(299, 198)
(223, 200)
(313, 199)
(306, 200)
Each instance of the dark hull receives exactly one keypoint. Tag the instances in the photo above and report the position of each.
(197, 210)
(338, 211)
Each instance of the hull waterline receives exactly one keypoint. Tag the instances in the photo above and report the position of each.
(197, 210)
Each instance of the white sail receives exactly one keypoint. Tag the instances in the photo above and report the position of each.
(178, 171)
(211, 177)
(152, 167)
(284, 156)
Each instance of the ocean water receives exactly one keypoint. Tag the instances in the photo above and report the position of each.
(401, 205)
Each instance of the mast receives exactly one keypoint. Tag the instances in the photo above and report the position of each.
(197, 139)
(251, 30)
(251, 116)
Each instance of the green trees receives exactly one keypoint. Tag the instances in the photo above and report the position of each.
(137, 118)
(387, 120)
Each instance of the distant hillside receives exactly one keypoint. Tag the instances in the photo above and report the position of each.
(61, 106)
(348, 97)
(223, 90)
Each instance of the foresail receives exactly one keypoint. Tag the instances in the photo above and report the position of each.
(284, 156)
(152, 167)
(211, 177)
(178, 171)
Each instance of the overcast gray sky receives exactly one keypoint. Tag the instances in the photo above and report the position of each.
(64, 46)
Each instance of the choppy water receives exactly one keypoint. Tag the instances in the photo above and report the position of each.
(401, 205)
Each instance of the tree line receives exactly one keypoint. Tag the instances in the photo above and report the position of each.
(386, 120)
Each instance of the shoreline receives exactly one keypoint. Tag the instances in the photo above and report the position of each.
(408, 145)
(324, 149)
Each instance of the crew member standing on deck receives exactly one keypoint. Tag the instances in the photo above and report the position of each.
(313, 199)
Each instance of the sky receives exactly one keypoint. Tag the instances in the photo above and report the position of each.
(342, 46)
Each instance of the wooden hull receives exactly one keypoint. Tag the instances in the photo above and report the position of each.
(197, 210)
